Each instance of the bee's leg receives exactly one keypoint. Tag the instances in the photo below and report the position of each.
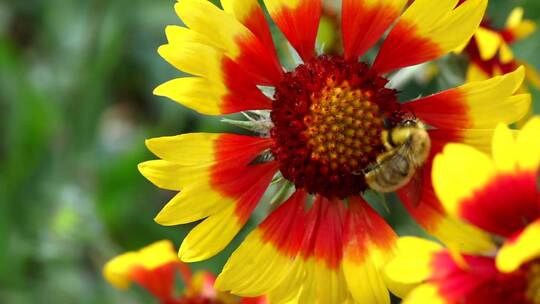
(387, 140)
(368, 168)
(381, 158)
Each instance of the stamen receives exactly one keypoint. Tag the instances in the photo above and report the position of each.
(328, 118)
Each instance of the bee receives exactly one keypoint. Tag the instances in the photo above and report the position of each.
(407, 148)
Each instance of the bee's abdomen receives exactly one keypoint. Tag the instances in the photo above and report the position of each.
(390, 175)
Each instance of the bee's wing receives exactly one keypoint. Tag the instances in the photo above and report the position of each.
(413, 189)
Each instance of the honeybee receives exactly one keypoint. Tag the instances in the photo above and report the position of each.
(408, 147)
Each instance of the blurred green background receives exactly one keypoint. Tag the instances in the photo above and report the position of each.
(76, 104)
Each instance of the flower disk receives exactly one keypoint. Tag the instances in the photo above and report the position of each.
(328, 118)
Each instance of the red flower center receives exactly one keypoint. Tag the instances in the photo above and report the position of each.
(328, 118)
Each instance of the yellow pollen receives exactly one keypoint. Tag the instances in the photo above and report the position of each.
(343, 127)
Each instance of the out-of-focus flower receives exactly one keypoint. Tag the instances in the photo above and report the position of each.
(155, 267)
(490, 53)
(500, 195)
(320, 127)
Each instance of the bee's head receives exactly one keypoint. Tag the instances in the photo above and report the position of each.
(410, 123)
(399, 119)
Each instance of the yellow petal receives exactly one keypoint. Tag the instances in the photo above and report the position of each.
(206, 19)
(199, 94)
(157, 254)
(322, 284)
(428, 30)
(210, 236)
(458, 26)
(366, 281)
(178, 35)
(491, 102)
(488, 42)
(425, 293)
(118, 270)
(167, 175)
(186, 149)
(478, 138)
(524, 248)
(515, 18)
(412, 262)
(197, 201)
(475, 73)
(475, 105)
(519, 28)
(506, 55)
(288, 292)
(241, 10)
(248, 274)
(528, 145)
(504, 149)
(468, 238)
(195, 58)
(458, 172)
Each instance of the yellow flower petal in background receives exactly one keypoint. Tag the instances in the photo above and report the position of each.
(425, 293)
(458, 172)
(506, 55)
(517, 26)
(520, 249)
(504, 149)
(119, 270)
(528, 145)
(428, 30)
(475, 73)
(500, 195)
(488, 42)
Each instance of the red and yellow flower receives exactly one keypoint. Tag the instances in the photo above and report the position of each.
(320, 127)
(498, 194)
(490, 52)
(154, 268)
